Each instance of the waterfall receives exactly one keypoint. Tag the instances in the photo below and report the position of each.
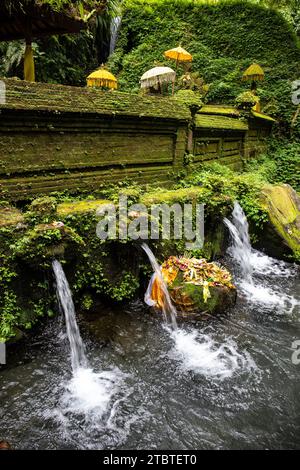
(114, 30)
(64, 295)
(257, 269)
(88, 394)
(169, 311)
(241, 249)
(195, 350)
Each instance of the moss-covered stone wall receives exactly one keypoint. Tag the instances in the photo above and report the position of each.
(255, 138)
(55, 138)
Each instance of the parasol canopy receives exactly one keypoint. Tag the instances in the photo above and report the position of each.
(254, 73)
(156, 76)
(102, 78)
(28, 19)
(179, 54)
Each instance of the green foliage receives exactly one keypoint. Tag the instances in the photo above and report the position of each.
(246, 99)
(6, 276)
(41, 210)
(189, 98)
(225, 186)
(43, 242)
(65, 59)
(224, 39)
(87, 302)
(126, 289)
(281, 164)
(9, 315)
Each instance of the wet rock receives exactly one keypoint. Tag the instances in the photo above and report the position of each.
(282, 233)
(190, 303)
(197, 288)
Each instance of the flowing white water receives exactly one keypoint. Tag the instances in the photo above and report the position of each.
(64, 295)
(196, 351)
(88, 393)
(239, 231)
(200, 353)
(256, 268)
(114, 30)
(169, 311)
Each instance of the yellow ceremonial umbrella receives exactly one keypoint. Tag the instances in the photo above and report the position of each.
(179, 54)
(102, 78)
(254, 73)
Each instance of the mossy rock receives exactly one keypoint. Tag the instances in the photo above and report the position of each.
(172, 196)
(10, 216)
(197, 288)
(79, 207)
(44, 205)
(44, 242)
(282, 232)
(190, 303)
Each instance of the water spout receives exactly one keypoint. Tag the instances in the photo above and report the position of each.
(256, 267)
(241, 249)
(169, 311)
(88, 393)
(64, 295)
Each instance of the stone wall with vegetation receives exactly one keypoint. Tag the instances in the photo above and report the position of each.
(64, 228)
(56, 138)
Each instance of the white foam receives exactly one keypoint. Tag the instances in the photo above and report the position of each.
(258, 269)
(268, 297)
(90, 393)
(263, 264)
(199, 353)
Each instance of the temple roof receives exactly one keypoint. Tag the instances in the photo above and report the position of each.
(258, 115)
(45, 97)
(210, 121)
(218, 109)
(29, 18)
(212, 116)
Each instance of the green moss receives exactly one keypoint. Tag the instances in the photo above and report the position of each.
(220, 122)
(219, 109)
(176, 195)
(44, 205)
(10, 216)
(58, 98)
(79, 207)
(283, 207)
(44, 242)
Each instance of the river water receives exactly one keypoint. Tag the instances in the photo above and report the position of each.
(227, 383)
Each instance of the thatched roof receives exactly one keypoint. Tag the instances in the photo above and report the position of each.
(22, 96)
(35, 18)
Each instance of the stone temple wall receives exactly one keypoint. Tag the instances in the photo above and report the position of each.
(55, 137)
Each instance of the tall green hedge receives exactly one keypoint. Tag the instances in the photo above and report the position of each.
(224, 38)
